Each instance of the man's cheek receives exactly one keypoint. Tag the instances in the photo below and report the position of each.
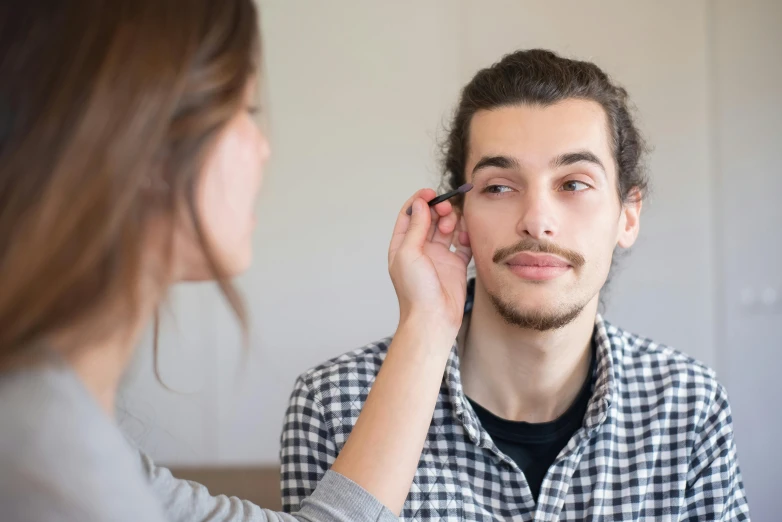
(482, 249)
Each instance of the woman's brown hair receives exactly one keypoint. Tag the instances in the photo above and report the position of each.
(108, 110)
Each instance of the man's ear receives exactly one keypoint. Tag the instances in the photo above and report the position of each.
(630, 219)
(461, 229)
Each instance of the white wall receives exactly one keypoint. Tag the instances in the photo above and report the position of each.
(747, 54)
(356, 94)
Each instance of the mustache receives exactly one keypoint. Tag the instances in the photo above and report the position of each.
(531, 245)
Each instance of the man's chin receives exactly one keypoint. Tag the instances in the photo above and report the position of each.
(540, 318)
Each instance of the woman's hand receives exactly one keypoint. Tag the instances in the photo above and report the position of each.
(430, 279)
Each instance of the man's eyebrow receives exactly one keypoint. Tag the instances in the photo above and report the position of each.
(502, 162)
(569, 158)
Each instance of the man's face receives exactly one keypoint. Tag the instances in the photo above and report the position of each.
(544, 217)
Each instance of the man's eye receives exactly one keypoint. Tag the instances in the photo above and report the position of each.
(497, 189)
(574, 186)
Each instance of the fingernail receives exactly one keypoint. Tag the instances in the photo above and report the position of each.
(410, 210)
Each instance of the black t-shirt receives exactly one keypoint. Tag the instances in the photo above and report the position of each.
(534, 447)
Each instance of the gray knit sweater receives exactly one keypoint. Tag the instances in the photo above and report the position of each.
(63, 459)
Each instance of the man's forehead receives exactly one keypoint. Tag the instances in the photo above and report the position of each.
(536, 134)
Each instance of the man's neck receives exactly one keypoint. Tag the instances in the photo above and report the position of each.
(521, 374)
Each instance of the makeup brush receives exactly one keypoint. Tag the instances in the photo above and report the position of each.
(464, 189)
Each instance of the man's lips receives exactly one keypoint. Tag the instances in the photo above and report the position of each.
(537, 267)
(529, 259)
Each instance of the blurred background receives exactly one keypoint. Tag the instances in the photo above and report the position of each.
(355, 97)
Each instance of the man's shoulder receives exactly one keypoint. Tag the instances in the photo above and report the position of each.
(336, 390)
(649, 363)
(351, 373)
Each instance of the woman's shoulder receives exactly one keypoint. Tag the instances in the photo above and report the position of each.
(62, 457)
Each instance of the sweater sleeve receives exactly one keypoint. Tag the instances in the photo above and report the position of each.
(336, 499)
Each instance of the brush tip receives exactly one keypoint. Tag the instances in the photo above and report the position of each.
(465, 188)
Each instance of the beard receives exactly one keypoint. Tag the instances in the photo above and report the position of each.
(539, 320)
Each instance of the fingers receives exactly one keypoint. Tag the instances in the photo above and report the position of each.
(439, 211)
(444, 208)
(426, 194)
(444, 230)
(418, 228)
(439, 223)
(434, 223)
(403, 220)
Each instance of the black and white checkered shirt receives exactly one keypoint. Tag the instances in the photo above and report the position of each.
(656, 443)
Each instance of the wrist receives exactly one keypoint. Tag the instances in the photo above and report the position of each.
(434, 319)
(427, 329)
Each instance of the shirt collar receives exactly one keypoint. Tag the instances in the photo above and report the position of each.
(609, 344)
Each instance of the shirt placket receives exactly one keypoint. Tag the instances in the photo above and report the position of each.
(512, 480)
(560, 475)
(550, 505)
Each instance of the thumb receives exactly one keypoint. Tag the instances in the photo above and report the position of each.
(418, 229)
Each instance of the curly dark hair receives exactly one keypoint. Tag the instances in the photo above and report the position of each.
(541, 77)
